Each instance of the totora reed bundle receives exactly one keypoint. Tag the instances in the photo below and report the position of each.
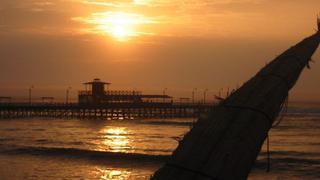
(225, 143)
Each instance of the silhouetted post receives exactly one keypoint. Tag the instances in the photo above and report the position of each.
(228, 92)
(164, 93)
(220, 92)
(318, 22)
(193, 92)
(30, 94)
(204, 95)
(67, 94)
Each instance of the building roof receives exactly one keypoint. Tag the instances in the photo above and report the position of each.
(96, 81)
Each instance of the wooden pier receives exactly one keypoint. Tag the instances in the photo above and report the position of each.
(107, 111)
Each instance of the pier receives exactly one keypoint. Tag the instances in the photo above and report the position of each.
(96, 102)
(106, 111)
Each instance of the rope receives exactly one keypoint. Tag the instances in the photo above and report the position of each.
(268, 154)
(278, 77)
(266, 115)
(283, 111)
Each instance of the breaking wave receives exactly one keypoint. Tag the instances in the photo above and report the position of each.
(82, 154)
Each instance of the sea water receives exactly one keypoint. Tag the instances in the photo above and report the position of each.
(46, 148)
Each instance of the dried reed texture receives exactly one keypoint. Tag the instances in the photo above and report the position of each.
(225, 143)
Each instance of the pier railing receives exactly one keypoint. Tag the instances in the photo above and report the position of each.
(113, 93)
(109, 111)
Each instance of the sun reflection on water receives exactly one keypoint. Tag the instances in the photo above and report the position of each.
(114, 139)
(115, 174)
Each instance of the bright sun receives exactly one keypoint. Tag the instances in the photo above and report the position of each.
(139, 1)
(120, 25)
(119, 32)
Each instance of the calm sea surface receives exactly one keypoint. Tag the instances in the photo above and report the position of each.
(134, 149)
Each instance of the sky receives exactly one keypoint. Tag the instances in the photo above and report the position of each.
(149, 45)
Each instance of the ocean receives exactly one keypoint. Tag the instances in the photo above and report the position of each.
(46, 148)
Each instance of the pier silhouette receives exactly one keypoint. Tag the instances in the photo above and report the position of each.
(96, 102)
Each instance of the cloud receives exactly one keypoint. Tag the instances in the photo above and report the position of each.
(166, 3)
(35, 16)
(173, 17)
(103, 3)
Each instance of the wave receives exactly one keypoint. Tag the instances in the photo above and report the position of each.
(6, 139)
(308, 168)
(291, 153)
(83, 154)
(301, 110)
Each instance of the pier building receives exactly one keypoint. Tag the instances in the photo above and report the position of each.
(97, 93)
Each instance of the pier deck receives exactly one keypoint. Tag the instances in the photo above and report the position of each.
(108, 111)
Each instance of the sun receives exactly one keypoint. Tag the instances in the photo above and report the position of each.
(119, 25)
(119, 32)
(122, 26)
(140, 2)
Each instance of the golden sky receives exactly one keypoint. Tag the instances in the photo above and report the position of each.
(149, 44)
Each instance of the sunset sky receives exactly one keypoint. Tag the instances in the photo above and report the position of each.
(149, 45)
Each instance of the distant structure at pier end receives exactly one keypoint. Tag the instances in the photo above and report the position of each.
(95, 94)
